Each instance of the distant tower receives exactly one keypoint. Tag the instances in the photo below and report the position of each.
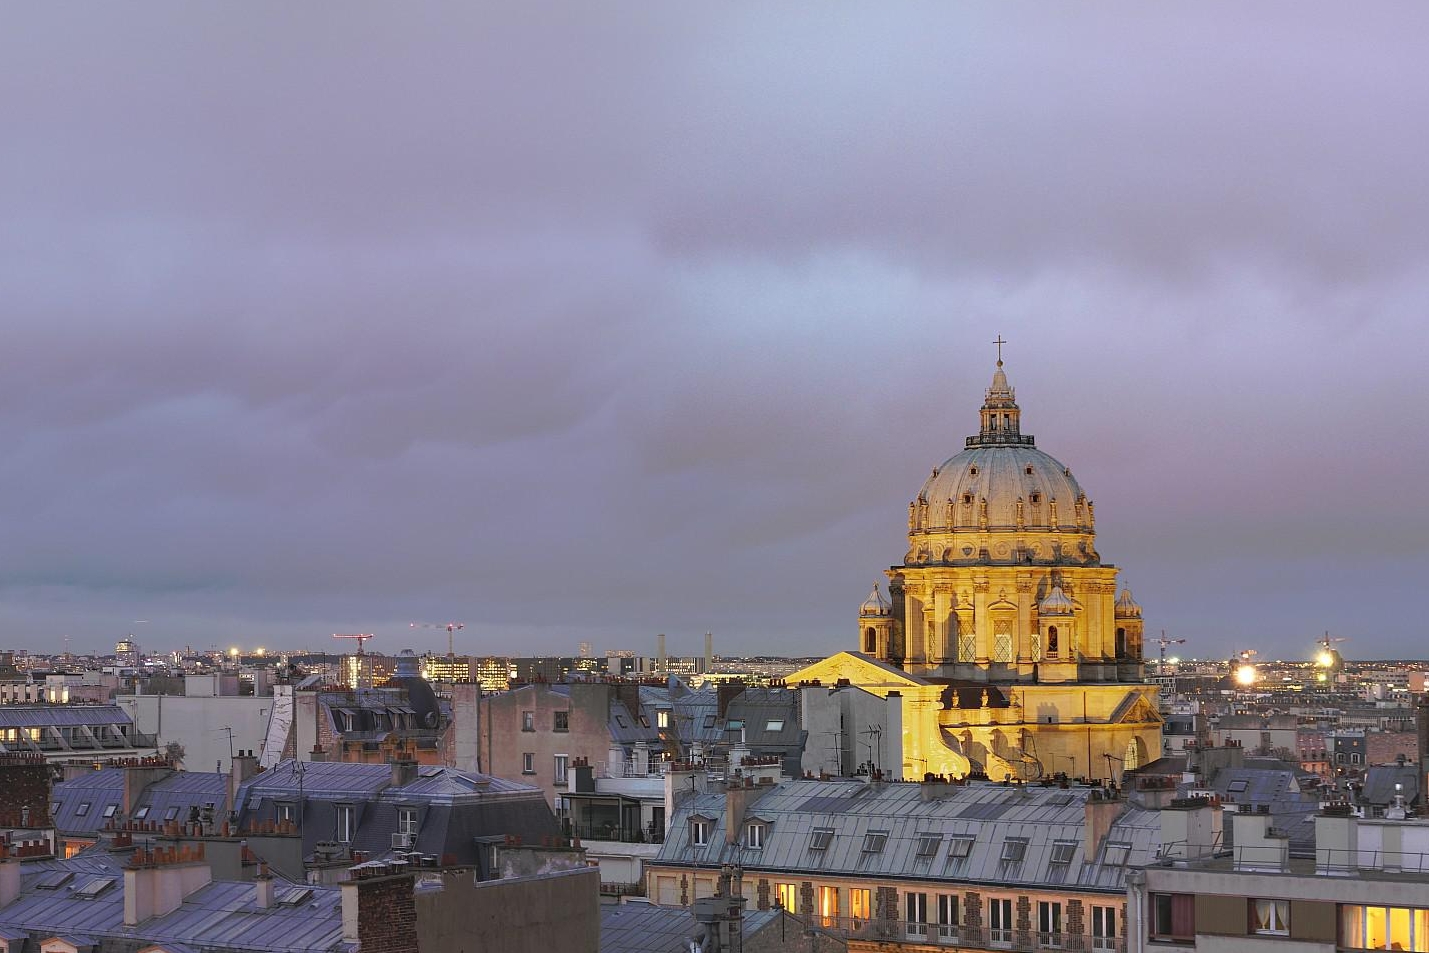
(875, 625)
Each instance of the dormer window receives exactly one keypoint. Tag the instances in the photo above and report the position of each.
(873, 842)
(1013, 849)
(1036, 497)
(972, 471)
(754, 834)
(699, 832)
(967, 499)
(1028, 470)
(820, 838)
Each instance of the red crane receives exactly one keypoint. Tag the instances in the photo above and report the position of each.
(361, 638)
(451, 628)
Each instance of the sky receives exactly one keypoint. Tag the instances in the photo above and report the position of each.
(587, 322)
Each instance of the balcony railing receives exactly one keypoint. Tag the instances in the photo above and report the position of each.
(962, 936)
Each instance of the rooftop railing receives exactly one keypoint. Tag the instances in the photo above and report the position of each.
(957, 936)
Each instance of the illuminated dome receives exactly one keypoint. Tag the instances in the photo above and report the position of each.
(875, 604)
(1001, 500)
(1127, 607)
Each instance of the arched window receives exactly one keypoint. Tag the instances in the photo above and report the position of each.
(1132, 760)
(1052, 640)
(870, 640)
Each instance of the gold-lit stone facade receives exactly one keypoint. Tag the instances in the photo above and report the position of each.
(1002, 629)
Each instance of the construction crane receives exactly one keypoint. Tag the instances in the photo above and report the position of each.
(451, 628)
(361, 637)
(1163, 642)
(1327, 657)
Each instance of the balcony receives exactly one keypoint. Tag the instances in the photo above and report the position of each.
(957, 936)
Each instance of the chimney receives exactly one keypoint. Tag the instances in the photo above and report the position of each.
(739, 795)
(157, 881)
(1336, 842)
(379, 910)
(1258, 846)
(661, 664)
(263, 888)
(404, 770)
(1190, 828)
(243, 767)
(137, 778)
(935, 787)
(9, 878)
(683, 780)
(709, 652)
(1101, 810)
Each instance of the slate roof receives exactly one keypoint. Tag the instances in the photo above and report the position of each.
(99, 789)
(38, 716)
(1379, 781)
(221, 915)
(919, 835)
(646, 928)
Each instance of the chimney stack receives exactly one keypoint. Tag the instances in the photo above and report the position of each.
(662, 666)
(709, 652)
(243, 767)
(263, 886)
(9, 880)
(404, 770)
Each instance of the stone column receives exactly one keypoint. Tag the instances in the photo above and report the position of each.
(944, 650)
(1025, 624)
(981, 621)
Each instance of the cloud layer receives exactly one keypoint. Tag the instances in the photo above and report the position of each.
(592, 323)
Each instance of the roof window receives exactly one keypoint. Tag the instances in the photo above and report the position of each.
(774, 724)
(1014, 848)
(82, 810)
(928, 844)
(873, 842)
(1063, 851)
(1116, 853)
(820, 838)
(960, 847)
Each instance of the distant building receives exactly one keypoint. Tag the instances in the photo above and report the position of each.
(1003, 627)
(61, 732)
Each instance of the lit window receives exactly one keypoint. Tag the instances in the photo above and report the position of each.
(699, 832)
(662, 719)
(1271, 917)
(1384, 928)
(820, 837)
(787, 896)
(860, 905)
(1014, 848)
(829, 905)
(873, 842)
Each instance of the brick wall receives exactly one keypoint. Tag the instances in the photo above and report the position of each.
(24, 783)
(386, 915)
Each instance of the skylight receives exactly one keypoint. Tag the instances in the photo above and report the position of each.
(95, 887)
(960, 847)
(1116, 853)
(775, 724)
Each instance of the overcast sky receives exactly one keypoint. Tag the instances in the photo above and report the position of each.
(604, 321)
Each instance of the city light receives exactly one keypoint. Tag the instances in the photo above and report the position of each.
(258, 650)
(233, 652)
(1245, 675)
(1324, 660)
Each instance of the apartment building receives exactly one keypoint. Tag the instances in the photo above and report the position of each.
(1363, 886)
(976, 865)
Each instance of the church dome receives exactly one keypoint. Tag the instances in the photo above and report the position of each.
(1056, 603)
(875, 604)
(1002, 485)
(1127, 607)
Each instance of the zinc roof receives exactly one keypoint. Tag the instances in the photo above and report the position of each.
(25, 716)
(984, 819)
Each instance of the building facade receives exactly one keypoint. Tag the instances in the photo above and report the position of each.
(1003, 629)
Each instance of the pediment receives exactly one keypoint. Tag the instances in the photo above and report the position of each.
(859, 669)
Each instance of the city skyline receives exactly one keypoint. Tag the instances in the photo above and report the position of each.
(658, 324)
